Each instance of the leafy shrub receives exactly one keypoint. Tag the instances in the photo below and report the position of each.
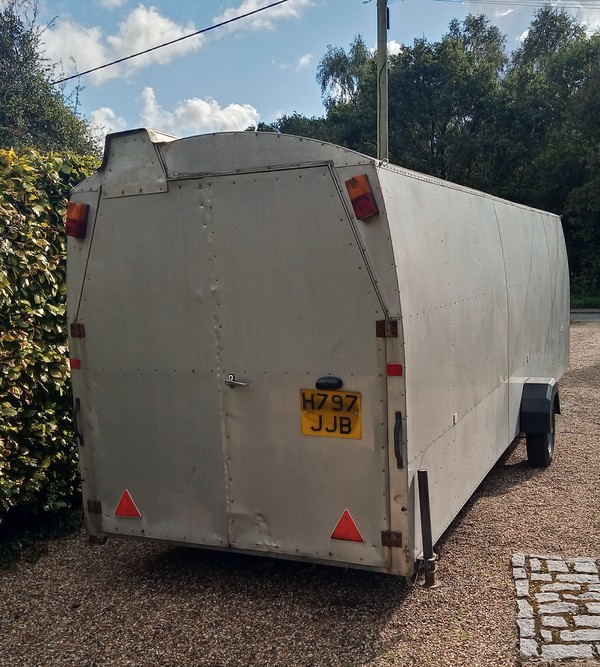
(38, 469)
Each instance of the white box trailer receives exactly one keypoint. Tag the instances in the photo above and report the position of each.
(271, 335)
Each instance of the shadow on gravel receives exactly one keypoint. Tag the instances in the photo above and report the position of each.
(272, 605)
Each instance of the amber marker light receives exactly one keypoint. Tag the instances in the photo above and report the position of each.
(77, 216)
(361, 196)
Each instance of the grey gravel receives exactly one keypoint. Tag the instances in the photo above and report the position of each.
(132, 604)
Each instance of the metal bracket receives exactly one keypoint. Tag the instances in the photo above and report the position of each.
(77, 330)
(390, 538)
(386, 328)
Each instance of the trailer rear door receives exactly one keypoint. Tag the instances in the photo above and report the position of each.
(293, 302)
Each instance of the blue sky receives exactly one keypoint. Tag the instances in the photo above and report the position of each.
(255, 69)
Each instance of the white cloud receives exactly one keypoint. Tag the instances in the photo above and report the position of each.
(263, 20)
(522, 37)
(302, 62)
(590, 18)
(80, 48)
(66, 41)
(305, 61)
(104, 121)
(143, 28)
(111, 4)
(394, 47)
(500, 13)
(195, 115)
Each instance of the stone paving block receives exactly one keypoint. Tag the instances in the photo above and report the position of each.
(559, 608)
(518, 560)
(579, 578)
(585, 567)
(558, 603)
(560, 587)
(580, 635)
(526, 627)
(587, 621)
(554, 622)
(557, 566)
(529, 648)
(522, 588)
(525, 609)
(562, 651)
(535, 564)
(582, 596)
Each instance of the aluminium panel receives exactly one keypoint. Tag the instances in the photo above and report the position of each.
(453, 299)
(293, 302)
(538, 300)
(231, 152)
(150, 411)
(457, 464)
(374, 237)
(123, 155)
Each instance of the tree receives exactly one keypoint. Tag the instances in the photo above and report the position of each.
(443, 99)
(32, 112)
(340, 72)
(299, 125)
(551, 30)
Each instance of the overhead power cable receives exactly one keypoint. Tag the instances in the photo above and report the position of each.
(173, 41)
(567, 4)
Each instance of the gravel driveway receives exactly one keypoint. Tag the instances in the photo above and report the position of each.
(129, 603)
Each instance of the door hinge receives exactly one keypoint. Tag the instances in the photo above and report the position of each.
(390, 538)
(94, 507)
(77, 330)
(386, 328)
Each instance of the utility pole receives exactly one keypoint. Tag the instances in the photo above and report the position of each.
(382, 80)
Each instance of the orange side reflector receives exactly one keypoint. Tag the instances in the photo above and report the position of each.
(346, 529)
(127, 507)
(361, 197)
(77, 216)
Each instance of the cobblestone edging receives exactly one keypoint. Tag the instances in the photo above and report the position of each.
(558, 606)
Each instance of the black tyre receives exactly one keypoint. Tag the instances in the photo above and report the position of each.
(540, 447)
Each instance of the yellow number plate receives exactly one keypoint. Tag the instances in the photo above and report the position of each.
(332, 414)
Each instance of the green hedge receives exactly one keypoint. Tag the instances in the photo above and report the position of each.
(38, 463)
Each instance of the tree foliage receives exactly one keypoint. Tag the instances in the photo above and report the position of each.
(37, 451)
(340, 72)
(33, 113)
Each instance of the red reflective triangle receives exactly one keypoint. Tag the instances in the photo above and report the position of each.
(346, 529)
(127, 507)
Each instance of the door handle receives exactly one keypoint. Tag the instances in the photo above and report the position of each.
(233, 383)
(397, 440)
(77, 432)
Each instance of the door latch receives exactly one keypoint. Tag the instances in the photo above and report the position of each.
(233, 383)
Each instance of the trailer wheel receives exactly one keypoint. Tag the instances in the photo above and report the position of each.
(540, 447)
